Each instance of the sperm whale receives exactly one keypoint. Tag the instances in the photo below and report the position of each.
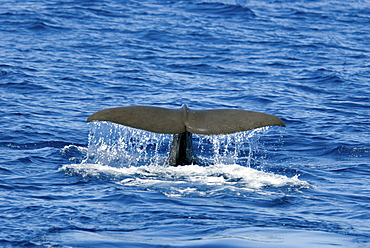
(184, 122)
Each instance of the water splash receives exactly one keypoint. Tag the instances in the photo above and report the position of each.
(119, 146)
(237, 148)
(136, 158)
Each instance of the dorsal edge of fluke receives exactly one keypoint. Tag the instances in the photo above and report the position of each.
(172, 121)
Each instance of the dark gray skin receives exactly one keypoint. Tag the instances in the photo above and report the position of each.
(183, 122)
(182, 150)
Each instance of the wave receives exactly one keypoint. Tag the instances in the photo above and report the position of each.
(352, 152)
(222, 8)
(36, 145)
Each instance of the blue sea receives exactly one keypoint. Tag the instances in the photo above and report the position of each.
(68, 183)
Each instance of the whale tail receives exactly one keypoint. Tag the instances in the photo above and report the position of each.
(183, 122)
(174, 121)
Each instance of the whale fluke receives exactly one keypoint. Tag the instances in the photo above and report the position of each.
(153, 119)
(183, 122)
(174, 121)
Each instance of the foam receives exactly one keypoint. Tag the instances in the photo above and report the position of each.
(189, 179)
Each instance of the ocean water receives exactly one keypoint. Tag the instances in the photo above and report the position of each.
(68, 183)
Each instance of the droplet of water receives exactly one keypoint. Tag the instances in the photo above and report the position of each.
(120, 146)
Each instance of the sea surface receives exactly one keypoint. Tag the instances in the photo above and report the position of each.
(68, 183)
